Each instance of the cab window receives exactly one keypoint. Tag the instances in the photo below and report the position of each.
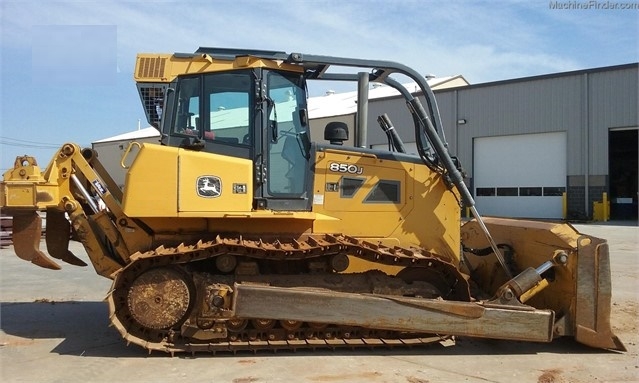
(228, 112)
(187, 118)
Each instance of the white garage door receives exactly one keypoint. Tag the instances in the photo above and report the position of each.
(521, 175)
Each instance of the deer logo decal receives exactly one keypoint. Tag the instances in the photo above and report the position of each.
(209, 186)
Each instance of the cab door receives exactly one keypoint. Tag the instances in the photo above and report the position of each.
(286, 163)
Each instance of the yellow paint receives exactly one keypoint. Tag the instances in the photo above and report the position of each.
(358, 265)
(601, 210)
(231, 171)
(163, 182)
(153, 67)
(151, 183)
(427, 214)
(534, 242)
(534, 290)
(26, 186)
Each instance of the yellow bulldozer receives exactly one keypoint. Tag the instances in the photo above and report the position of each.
(238, 232)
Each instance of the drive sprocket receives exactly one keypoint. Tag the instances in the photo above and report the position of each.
(159, 298)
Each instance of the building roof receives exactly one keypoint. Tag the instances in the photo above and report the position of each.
(140, 133)
(340, 104)
(578, 72)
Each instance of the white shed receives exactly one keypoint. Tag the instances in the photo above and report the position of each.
(110, 150)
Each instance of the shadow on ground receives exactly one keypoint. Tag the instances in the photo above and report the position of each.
(84, 331)
(82, 327)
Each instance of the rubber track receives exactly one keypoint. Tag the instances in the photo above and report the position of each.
(308, 247)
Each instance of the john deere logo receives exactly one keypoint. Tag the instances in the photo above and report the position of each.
(209, 186)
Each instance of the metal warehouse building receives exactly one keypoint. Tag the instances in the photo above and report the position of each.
(523, 142)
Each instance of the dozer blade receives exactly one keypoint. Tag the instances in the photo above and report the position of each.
(594, 295)
(580, 292)
(58, 233)
(27, 230)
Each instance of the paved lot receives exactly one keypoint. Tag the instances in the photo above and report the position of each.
(54, 328)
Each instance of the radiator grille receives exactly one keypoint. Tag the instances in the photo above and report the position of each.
(151, 67)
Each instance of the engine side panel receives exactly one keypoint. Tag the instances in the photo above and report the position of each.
(386, 200)
(170, 182)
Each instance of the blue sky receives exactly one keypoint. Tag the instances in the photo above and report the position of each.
(67, 66)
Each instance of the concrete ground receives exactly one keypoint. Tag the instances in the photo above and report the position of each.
(54, 328)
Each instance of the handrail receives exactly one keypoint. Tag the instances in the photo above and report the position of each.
(126, 152)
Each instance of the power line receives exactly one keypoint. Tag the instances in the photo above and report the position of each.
(26, 143)
(17, 139)
(13, 144)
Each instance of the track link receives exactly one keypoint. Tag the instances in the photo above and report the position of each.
(450, 283)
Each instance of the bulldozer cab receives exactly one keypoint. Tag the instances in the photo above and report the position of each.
(256, 114)
(251, 104)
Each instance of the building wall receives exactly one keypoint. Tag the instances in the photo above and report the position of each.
(613, 100)
(397, 111)
(584, 104)
(518, 108)
(318, 125)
